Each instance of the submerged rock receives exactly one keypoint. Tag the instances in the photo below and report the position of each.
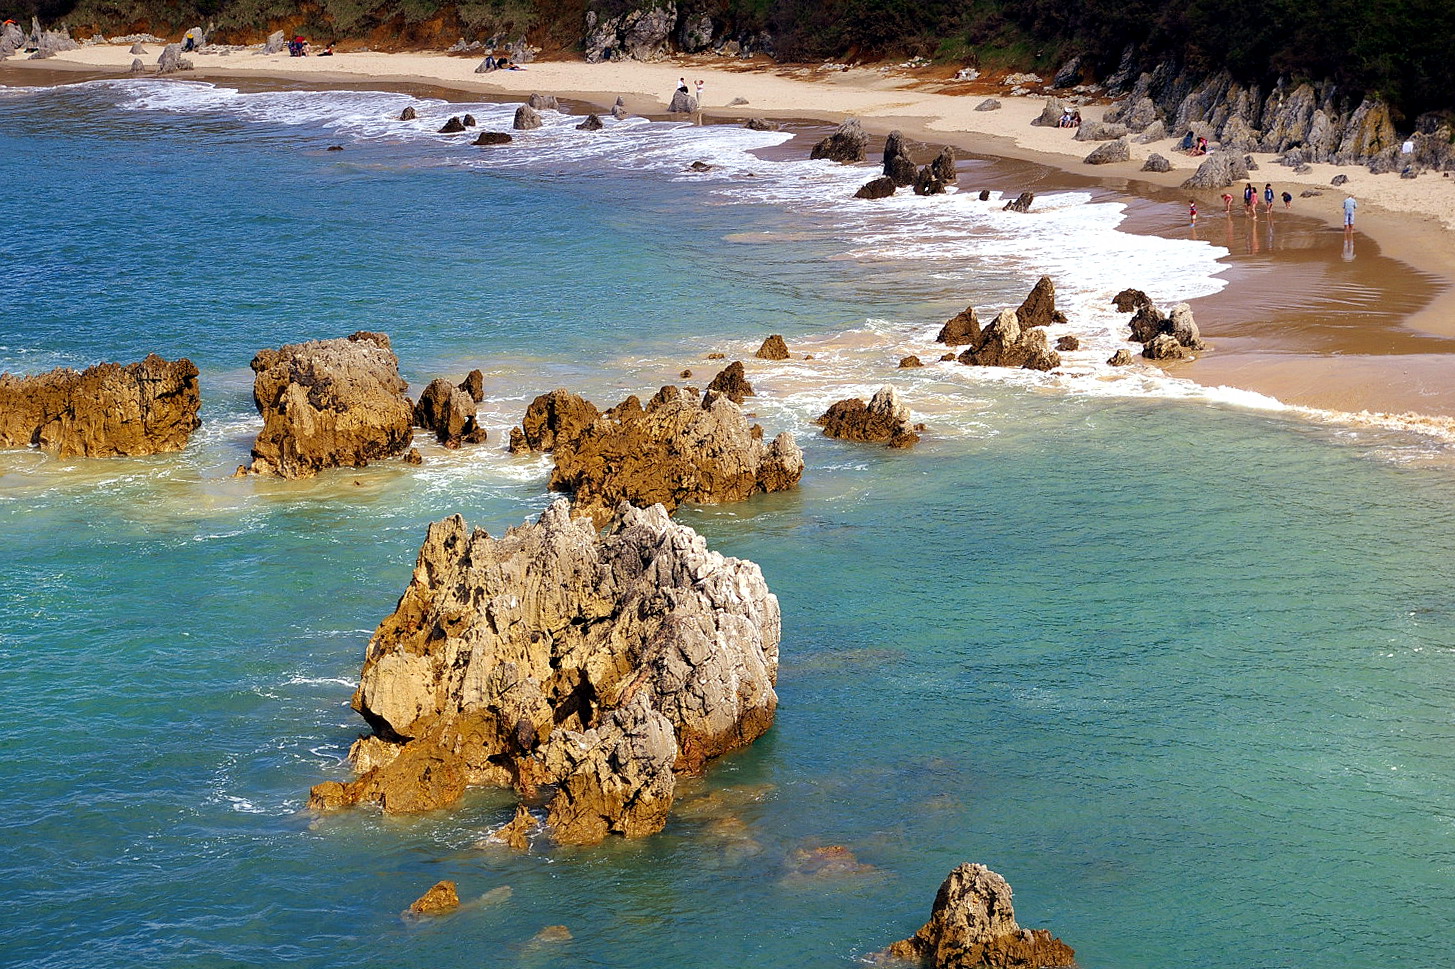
(558, 655)
(408, 114)
(592, 123)
(442, 897)
(846, 145)
(452, 126)
(973, 925)
(108, 410)
(884, 420)
(876, 188)
(329, 404)
(1021, 203)
(492, 138)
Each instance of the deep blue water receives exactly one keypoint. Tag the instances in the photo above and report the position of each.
(1182, 672)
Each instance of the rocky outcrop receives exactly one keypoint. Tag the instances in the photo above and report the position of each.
(846, 145)
(442, 897)
(453, 126)
(676, 450)
(876, 188)
(328, 404)
(1021, 203)
(1112, 151)
(972, 924)
(1039, 306)
(1051, 114)
(474, 385)
(492, 138)
(558, 656)
(1068, 343)
(448, 411)
(108, 410)
(884, 420)
(898, 166)
(961, 329)
(48, 43)
(558, 416)
(1005, 343)
(773, 348)
(1156, 163)
(1219, 170)
(527, 118)
(171, 60)
(1100, 131)
(544, 102)
(1163, 337)
(408, 114)
(732, 382)
(638, 34)
(927, 183)
(12, 39)
(1131, 300)
(592, 123)
(910, 362)
(989, 104)
(761, 124)
(1122, 358)
(942, 167)
(682, 103)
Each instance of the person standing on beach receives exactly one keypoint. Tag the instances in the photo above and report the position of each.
(1287, 201)
(1268, 196)
(1228, 203)
(1349, 206)
(1250, 200)
(1192, 210)
(698, 85)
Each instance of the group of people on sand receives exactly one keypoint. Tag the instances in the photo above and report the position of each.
(1250, 201)
(1070, 118)
(682, 88)
(1193, 145)
(493, 63)
(298, 47)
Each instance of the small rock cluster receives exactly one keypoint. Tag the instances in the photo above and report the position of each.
(1163, 337)
(1016, 338)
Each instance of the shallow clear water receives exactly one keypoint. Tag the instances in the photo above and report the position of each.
(1182, 672)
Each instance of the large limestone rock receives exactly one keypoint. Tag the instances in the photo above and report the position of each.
(682, 103)
(1051, 114)
(1005, 343)
(942, 166)
(642, 33)
(884, 420)
(1219, 170)
(329, 404)
(898, 166)
(773, 347)
(847, 144)
(108, 410)
(961, 329)
(675, 450)
(442, 897)
(732, 381)
(1039, 307)
(557, 655)
(556, 416)
(973, 925)
(1110, 153)
(171, 60)
(1100, 131)
(448, 411)
(1163, 337)
(527, 118)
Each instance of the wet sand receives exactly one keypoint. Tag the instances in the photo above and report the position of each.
(1306, 317)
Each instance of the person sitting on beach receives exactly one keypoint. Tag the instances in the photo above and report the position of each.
(1075, 117)
(298, 47)
(327, 51)
(1201, 148)
(491, 64)
(1065, 121)
(1186, 142)
(682, 86)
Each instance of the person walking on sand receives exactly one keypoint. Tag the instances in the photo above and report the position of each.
(1250, 200)
(1349, 206)
(1268, 196)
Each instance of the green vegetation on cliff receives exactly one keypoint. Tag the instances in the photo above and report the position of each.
(1403, 50)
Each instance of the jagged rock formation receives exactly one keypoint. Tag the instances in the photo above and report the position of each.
(592, 123)
(732, 382)
(898, 166)
(682, 103)
(544, 102)
(137, 67)
(474, 385)
(761, 124)
(1039, 306)
(675, 450)
(989, 104)
(492, 138)
(1068, 343)
(846, 145)
(927, 183)
(108, 410)
(448, 411)
(1122, 358)
(961, 329)
(1219, 170)
(557, 655)
(1112, 151)
(942, 167)
(973, 925)
(453, 126)
(527, 118)
(329, 404)
(884, 420)
(558, 416)
(1051, 114)
(910, 362)
(1156, 163)
(517, 833)
(638, 34)
(442, 897)
(408, 114)
(773, 348)
(1163, 337)
(1021, 203)
(172, 61)
(49, 43)
(876, 188)
(1099, 131)
(1130, 300)
(1005, 343)
(12, 40)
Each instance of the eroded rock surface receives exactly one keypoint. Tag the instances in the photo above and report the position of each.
(732, 381)
(1005, 343)
(961, 329)
(448, 411)
(442, 897)
(557, 655)
(846, 145)
(328, 404)
(973, 924)
(108, 410)
(884, 420)
(556, 416)
(773, 348)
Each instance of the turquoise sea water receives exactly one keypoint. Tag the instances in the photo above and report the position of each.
(1182, 671)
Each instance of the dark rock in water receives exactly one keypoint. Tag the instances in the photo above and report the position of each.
(1156, 163)
(553, 417)
(543, 102)
(172, 60)
(876, 188)
(449, 413)
(526, 118)
(1339, 180)
(1022, 203)
(909, 362)
(452, 126)
(468, 121)
(1131, 300)
(985, 195)
(761, 124)
(1122, 358)
(682, 103)
(329, 404)
(1067, 343)
(334, 148)
(1112, 151)
(1184, 328)
(592, 123)
(897, 163)
(972, 925)
(1005, 343)
(699, 166)
(989, 104)
(943, 167)
(1164, 346)
(474, 385)
(492, 138)
(946, 357)
(1039, 308)
(618, 112)
(732, 382)
(925, 183)
(960, 330)
(845, 145)
(884, 420)
(412, 456)
(773, 348)
(108, 410)
(1218, 170)
(408, 114)
(1147, 323)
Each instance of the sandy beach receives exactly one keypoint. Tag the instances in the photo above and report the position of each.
(1366, 326)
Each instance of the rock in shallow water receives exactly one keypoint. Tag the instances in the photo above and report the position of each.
(884, 420)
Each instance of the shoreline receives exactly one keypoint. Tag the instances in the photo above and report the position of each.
(1381, 366)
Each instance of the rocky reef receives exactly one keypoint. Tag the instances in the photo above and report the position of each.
(1015, 338)
(329, 404)
(973, 925)
(1163, 336)
(585, 669)
(677, 449)
(885, 419)
(449, 410)
(108, 410)
(847, 144)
